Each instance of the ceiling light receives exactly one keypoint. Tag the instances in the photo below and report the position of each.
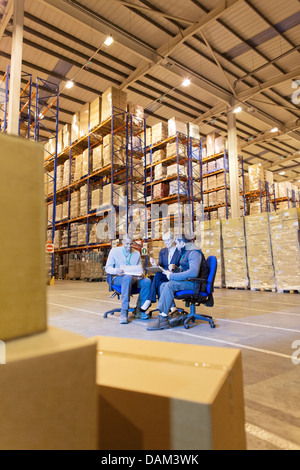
(275, 129)
(70, 84)
(282, 173)
(186, 82)
(108, 41)
(237, 110)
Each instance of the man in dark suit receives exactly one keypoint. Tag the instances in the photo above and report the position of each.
(169, 258)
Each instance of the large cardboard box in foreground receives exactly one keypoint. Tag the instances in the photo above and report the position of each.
(155, 395)
(48, 395)
(22, 239)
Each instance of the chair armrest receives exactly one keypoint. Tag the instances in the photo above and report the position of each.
(200, 285)
(197, 279)
(109, 280)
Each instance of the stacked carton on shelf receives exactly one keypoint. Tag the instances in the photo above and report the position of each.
(210, 234)
(114, 151)
(97, 158)
(75, 128)
(75, 205)
(159, 132)
(285, 226)
(84, 120)
(235, 253)
(259, 252)
(176, 125)
(113, 98)
(95, 112)
(256, 177)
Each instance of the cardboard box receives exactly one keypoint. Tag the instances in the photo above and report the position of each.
(75, 128)
(155, 395)
(98, 158)
(95, 112)
(22, 239)
(113, 98)
(176, 125)
(48, 397)
(84, 120)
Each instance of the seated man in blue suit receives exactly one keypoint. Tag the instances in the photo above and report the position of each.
(192, 264)
(169, 258)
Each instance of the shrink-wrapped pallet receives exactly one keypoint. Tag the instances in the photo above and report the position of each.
(117, 196)
(114, 101)
(159, 155)
(175, 169)
(66, 136)
(84, 120)
(178, 187)
(137, 114)
(75, 205)
(98, 158)
(75, 128)
(84, 200)
(58, 212)
(96, 198)
(65, 211)
(159, 132)
(160, 190)
(86, 162)
(78, 167)
(256, 177)
(284, 227)
(114, 150)
(193, 130)
(95, 112)
(74, 234)
(176, 125)
(209, 237)
(82, 234)
(60, 177)
(160, 171)
(259, 252)
(234, 242)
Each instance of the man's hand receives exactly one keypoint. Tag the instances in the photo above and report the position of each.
(153, 262)
(167, 273)
(119, 272)
(172, 267)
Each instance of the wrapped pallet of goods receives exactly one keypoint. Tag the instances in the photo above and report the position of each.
(96, 198)
(82, 234)
(57, 239)
(193, 130)
(284, 227)
(114, 101)
(69, 173)
(74, 234)
(256, 177)
(210, 235)
(137, 113)
(175, 125)
(97, 158)
(84, 120)
(115, 195)
(259, 252)
(60, 177)
(75, 205)
(159, 132)
(59, 142)
(74, 266)
(114, 151)
(75, 128)
(173, 149)
(160, 172)
(85, 196)
(95, 112)
(177, 170)
(66, 136)
(159, 156)
(234, 242)
(78, 167)
(160, 190)
(65, 211)
(65, 239)
(58, 212)
(86, 162)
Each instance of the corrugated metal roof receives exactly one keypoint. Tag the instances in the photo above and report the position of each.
(243, 41)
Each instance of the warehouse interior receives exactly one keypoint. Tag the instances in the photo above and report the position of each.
(191, 106)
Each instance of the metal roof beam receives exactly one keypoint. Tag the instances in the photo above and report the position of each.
(171, 45)
(7, 14)
(92, 20)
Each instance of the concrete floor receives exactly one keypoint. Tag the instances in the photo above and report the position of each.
(264, 325)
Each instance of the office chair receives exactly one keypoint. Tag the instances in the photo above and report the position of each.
(195, 298)
(116, 292)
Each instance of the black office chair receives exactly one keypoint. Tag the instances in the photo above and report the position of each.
(116, 292)
(195, 298)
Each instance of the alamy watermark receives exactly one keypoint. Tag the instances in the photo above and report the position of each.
(296, 354)
(296, 94)
(2, 353)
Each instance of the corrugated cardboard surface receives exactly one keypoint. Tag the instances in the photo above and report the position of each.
(22, 239)
(155, 395)
(48, 395)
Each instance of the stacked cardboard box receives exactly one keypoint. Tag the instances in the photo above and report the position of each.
(285, 226)
(193, 130)
(58, 212)
(149, 136)
(160, 190)
(92, 266)
(75, 205)
(50, 214)
(173, 149)
(65, 211)
(65, 238)
(86, 162)
(113, 98)
(207, 413)
(96, 198)
(60, 177)
(119, 193)
(93, 233)
(177, 170)
(50, 182)
(66, 136)
(210, 235)
(74, 266)
(74, 234)
(115, 146)
(84, 118)
(137, 113)
(178, 187)
(75, 128)
(68, 178)
(82, 234)
(84, 197)
(95, 112)
(159, 156)
(78, 167)
(57, 239)
(259, 252)
(234, 242)
(160, 172)
(159, 132)
(98, 158)
(256, 177)
(59, 142)
(176, 125)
